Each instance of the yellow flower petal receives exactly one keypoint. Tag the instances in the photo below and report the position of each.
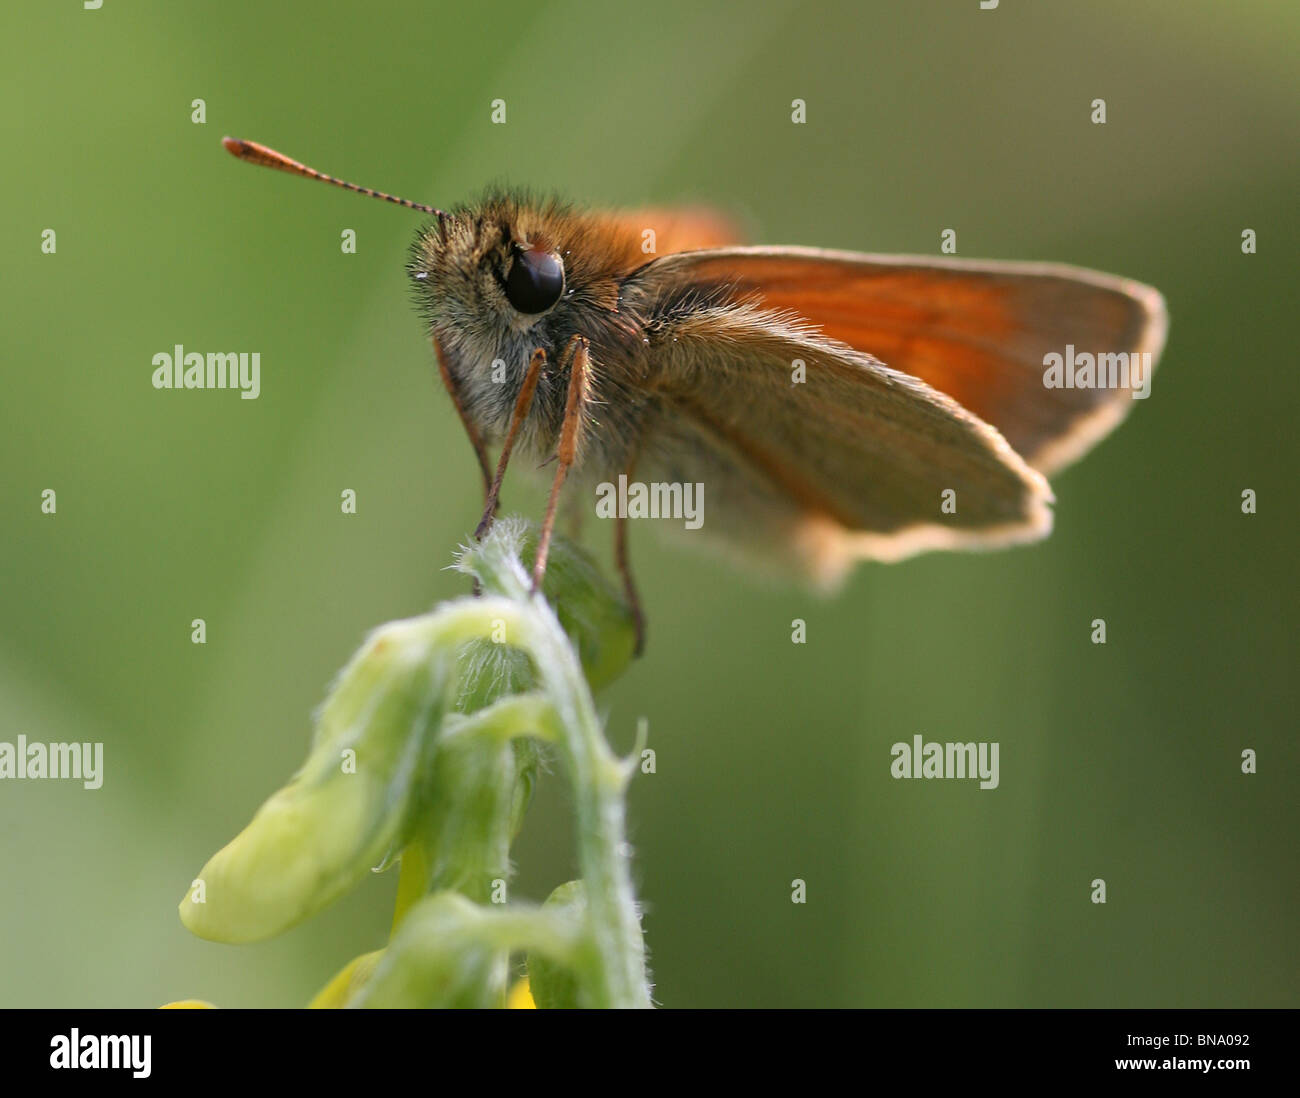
(520, 998)
(344, 985)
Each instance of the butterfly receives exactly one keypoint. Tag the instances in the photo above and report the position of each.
(836, 405)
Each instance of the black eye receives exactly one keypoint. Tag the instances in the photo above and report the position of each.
(535, 280)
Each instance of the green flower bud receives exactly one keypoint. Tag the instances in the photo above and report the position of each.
(554, 984)
(590, 609)
(437, 960)
(449, 952)
(346, 810)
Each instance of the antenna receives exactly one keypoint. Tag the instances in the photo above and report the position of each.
(269, 158)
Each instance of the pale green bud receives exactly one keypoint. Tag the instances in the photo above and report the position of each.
(345, 811)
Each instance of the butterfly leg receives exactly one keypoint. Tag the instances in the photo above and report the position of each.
(475, 439)
(566, 453)
(629, 587)
(571, 521)
(522, 403)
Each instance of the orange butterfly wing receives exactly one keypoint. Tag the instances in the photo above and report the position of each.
(678, 229)
(977, 331)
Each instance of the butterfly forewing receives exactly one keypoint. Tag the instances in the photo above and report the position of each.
(976, 331)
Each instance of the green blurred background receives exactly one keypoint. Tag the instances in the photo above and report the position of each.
(1121, 762)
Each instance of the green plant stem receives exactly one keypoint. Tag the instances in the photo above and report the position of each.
(599, 780)
(617, 960)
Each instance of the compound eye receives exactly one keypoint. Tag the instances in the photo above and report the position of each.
(535, 280)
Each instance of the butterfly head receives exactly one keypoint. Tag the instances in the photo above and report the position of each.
(496, 267)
